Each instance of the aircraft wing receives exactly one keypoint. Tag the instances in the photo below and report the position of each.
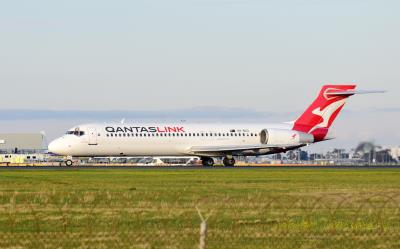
(237, 149)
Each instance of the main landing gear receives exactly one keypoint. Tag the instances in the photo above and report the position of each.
(207, 161)
(229, 161)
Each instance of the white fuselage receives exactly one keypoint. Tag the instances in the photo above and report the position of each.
(157, 139)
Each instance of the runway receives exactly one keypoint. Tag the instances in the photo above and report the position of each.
(193, 167)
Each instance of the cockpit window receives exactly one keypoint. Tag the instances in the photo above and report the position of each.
(76, 132)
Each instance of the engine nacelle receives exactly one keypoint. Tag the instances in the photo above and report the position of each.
(287, 137)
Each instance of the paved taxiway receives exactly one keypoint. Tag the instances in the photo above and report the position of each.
(196, 167)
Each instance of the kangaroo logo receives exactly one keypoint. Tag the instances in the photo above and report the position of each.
(326, 114)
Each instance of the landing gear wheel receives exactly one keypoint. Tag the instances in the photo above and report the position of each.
(207, 161)
(229, 162)
(69, 163)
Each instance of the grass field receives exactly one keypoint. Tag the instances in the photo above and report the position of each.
(156, 208)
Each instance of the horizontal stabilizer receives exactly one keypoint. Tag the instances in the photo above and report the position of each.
(352, 92)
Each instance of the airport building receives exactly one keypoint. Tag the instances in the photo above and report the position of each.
(22, 143)
(395, 153)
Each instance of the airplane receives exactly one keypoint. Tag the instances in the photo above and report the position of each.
(207, 141)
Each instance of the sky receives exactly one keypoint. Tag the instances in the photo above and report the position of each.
(182, 57)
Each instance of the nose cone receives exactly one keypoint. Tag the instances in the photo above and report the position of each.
(57, 147)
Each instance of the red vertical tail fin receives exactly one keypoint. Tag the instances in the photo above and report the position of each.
(317, 119)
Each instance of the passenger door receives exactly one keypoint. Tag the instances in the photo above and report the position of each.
(92, 136)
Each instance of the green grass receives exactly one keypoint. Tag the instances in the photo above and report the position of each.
(156, 208)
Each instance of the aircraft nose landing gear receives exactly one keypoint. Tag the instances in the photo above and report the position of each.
(69, 163)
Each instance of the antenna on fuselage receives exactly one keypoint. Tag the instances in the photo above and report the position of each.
(123, 121)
